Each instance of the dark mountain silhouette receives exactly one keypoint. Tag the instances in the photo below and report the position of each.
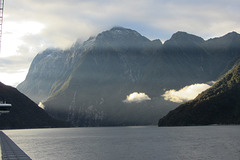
(218, 105)
(24, 112)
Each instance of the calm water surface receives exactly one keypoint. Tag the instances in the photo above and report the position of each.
(121, 143)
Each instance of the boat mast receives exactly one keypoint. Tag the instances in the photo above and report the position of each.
(4, 107)
(1, 21)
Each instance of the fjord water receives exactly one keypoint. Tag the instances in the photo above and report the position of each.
(119, 143)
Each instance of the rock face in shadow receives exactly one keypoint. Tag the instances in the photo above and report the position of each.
(218, 105)
(88, 83)
(24, 112)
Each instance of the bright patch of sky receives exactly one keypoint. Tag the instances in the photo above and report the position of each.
(14, 34)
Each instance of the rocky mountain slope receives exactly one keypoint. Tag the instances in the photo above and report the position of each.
(218, 105)
(24, 112)
(88, 83)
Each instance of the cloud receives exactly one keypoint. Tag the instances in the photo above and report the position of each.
(59, 23)
(136, 97)
(185, 94)
(69, 20)
(41, 105)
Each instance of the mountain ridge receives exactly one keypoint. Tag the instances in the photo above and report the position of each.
(97, 75)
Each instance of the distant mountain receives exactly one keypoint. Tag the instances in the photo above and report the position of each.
(24, 113)
(88, 84)
(218, 105)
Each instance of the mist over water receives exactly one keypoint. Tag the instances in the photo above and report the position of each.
(107, 143)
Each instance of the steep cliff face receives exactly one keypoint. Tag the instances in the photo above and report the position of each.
(217, 105)
(93, 78)
(108, 71)
(48, 68)
(24, 112)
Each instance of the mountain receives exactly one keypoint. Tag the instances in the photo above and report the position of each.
(224, 52)
(107, 72)
(183, 58)
(88, 83)
(217, 105)
(47, 71)
(24, 113)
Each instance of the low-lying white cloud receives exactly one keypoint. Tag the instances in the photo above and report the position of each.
(41, 105)
(185, 94)
(136, 97)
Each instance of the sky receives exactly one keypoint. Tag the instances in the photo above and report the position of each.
(30, 26)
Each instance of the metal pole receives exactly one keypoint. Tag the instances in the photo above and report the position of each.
(1, 21)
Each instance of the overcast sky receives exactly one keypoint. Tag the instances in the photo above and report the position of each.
(31, 26)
